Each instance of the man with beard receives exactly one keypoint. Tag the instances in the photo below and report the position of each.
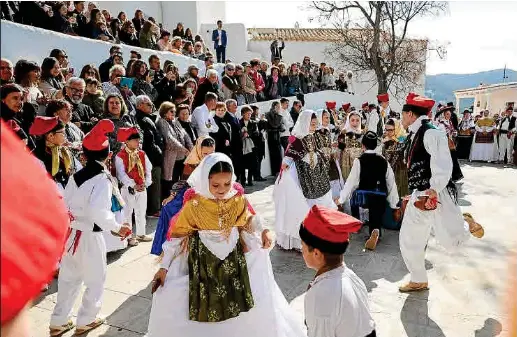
(16, 113)
(82, 114)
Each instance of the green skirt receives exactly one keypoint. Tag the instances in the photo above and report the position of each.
(218, 289)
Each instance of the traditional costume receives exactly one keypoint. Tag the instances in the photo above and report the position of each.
(172, 207)
(326, 137)
(303, 184)
(372, 183)
(466, 129)
(484, 146)
(429, 167)
(373, 121)
(133, 169)
(213, 287)
(57, 159)
(506, 133)
(88, 197)
(33, 236)
(393, 151)
(447, 126)
(336, 303)
(350, 145)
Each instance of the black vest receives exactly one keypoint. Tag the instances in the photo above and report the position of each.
(373, 172)
(419, 160)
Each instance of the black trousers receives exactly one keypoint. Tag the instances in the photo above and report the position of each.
(284, 141)
(258, 164)
(250, 162)
(166, 188)
(373, 334)
(275, 154)
(220, 52)
(179, 165)
(376, 209)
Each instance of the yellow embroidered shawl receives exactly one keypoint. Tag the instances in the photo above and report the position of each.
(200, 213)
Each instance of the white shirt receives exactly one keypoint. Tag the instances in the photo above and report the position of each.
(124, 178)
(203, 121)
(336, 305)
(220, 41)
(437, 145)
(90, 204)
(287, 120)
(372, 119)
(352, 182)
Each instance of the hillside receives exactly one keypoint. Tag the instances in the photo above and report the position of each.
(440, 87)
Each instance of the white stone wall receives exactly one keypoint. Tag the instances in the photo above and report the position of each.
(24, 42)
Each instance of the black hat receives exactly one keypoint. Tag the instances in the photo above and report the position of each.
(369, 140)
(451, 105)
(466, 111)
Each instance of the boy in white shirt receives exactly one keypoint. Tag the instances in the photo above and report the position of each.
(336, 303)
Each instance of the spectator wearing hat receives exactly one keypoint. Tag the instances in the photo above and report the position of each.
(336, 303)
(220, 40)
(88, 196)
(45, 224)
(134, 173)
(371, 182)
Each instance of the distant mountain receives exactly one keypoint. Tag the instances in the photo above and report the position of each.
(440, 87)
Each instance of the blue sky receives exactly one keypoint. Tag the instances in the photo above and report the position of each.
(481, 35)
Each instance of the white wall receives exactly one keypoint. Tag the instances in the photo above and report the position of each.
(191, 13)
(24, 42)
(495, 101)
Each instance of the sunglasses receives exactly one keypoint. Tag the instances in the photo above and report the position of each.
(390, 130)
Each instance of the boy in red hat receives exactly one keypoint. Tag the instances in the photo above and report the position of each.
(336, 303)
(49, 133)
(384, 105)
(44, 225)
(88, 196)
(134, 173)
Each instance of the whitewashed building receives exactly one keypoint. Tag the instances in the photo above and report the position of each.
(494, 97)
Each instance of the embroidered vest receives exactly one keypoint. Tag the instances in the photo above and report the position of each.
(133, 174)
(419, 160)
(373, 172)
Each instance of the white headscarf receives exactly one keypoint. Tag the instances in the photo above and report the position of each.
(198, 180)
(303, 124)
(348, 127)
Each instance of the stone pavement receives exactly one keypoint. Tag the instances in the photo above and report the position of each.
(468, 288)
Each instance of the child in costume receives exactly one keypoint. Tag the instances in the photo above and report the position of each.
(88, 198)
(57, 159)
(216, 277)
(134, 172)
(336, 303)
(205, 145)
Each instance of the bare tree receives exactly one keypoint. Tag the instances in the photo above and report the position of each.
(374, 37)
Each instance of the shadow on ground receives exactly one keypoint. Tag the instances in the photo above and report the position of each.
(415, 317)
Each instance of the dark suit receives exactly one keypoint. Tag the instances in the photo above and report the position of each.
(220, 50)
(250, 161)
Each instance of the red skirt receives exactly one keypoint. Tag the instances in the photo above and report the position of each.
(485, 138)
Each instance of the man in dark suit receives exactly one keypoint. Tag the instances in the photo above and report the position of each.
(236, 142)
(220, 39)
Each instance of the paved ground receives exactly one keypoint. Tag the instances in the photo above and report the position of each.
(468, 288)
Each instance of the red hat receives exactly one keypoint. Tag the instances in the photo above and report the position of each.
(365, 105)
(419, 101)
(383, 98)
(96, 139)
(33, 238)
(346, 106)
(330, 104)
(43, 125)
(328, 229)
(123, 134)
